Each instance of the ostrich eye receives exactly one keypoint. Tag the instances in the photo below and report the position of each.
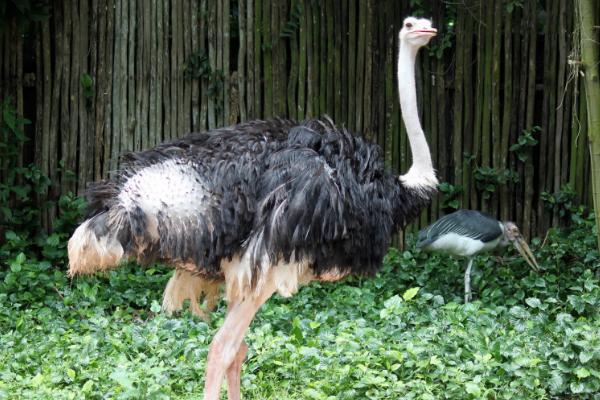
(408, 25)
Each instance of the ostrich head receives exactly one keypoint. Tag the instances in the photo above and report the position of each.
(513, 235)
(416, 32)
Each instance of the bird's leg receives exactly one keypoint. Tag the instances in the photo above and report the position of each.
(176, 291)
(234, 371)
(468, 281)
(226, 347)
(211, 294)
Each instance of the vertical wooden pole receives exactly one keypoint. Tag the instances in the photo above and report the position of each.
(590, 58)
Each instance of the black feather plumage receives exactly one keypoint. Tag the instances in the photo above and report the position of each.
(302, 191)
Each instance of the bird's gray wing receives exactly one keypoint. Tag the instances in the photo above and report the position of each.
(468, 223)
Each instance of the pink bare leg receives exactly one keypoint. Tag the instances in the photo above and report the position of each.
(234, 373)
(226, 347)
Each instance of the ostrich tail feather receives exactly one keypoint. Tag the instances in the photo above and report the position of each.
(95, 247)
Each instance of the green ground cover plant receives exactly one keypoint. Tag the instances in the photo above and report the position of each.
(403, 334)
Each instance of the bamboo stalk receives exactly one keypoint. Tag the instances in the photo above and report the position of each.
(302, 67)
(360, 65)
(342, 61)
(176, 103)
(506, 114)
(267, 40)
(153, 53)
(391, 135)
(18, 75)
(368, 81)
(212, 57)
(108, 87)
(487, 96)
(430, 82)
(38, 155)
(331, 49)
(560, 104)
(278, 20)
(552, 118)
(311, 72)
(87, 49)
(478, 111)
(130, 141)
(100, 95)
(225, 64)
(543, 164)
(204, 20)
(590, 58)
(322, 34)
(468, 146)
(251, 79)
(46, 131)
(73, 95)
(116, 93)
(457, 134)
(186, 103)
(292, 87)
(496, 133)
(41, 144)
(379, 82)
(258, 59)
(567, 99)
(352, 58)
(65, 131)
(528, 223)
(144, 73)
(241, 65)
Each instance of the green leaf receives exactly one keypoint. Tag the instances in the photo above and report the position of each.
(314, 324)
(533, 302)
(71, 373)
(585, 356)
(582, 373)
(87, 386)
(410, 293)
(473, 388)
(86, 81)
(155, 307)
(37, 380)
(122, 377)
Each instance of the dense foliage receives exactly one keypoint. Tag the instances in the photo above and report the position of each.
(404, 334)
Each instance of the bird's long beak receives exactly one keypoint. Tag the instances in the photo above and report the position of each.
(523, 249)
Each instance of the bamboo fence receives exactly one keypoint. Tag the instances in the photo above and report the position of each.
(162, 68)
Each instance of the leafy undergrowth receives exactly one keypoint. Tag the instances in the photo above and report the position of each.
(404, 334)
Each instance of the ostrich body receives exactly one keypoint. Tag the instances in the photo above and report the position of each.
(263, 206)
(466, 233)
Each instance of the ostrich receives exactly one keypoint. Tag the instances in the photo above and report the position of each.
(466, 233)
(263, 206)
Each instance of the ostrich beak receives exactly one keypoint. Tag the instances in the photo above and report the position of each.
(523, 249)
(426, 32)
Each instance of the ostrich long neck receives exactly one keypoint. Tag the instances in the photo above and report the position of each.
(421, 173)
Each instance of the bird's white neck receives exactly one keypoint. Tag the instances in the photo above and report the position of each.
(421, 173)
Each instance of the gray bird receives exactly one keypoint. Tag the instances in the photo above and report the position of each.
(466, 233)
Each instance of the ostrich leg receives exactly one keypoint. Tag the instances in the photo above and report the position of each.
(226, 352)
(234, 371)
(468, 281)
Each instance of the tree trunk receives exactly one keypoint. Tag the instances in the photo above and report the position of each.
(590, 59)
